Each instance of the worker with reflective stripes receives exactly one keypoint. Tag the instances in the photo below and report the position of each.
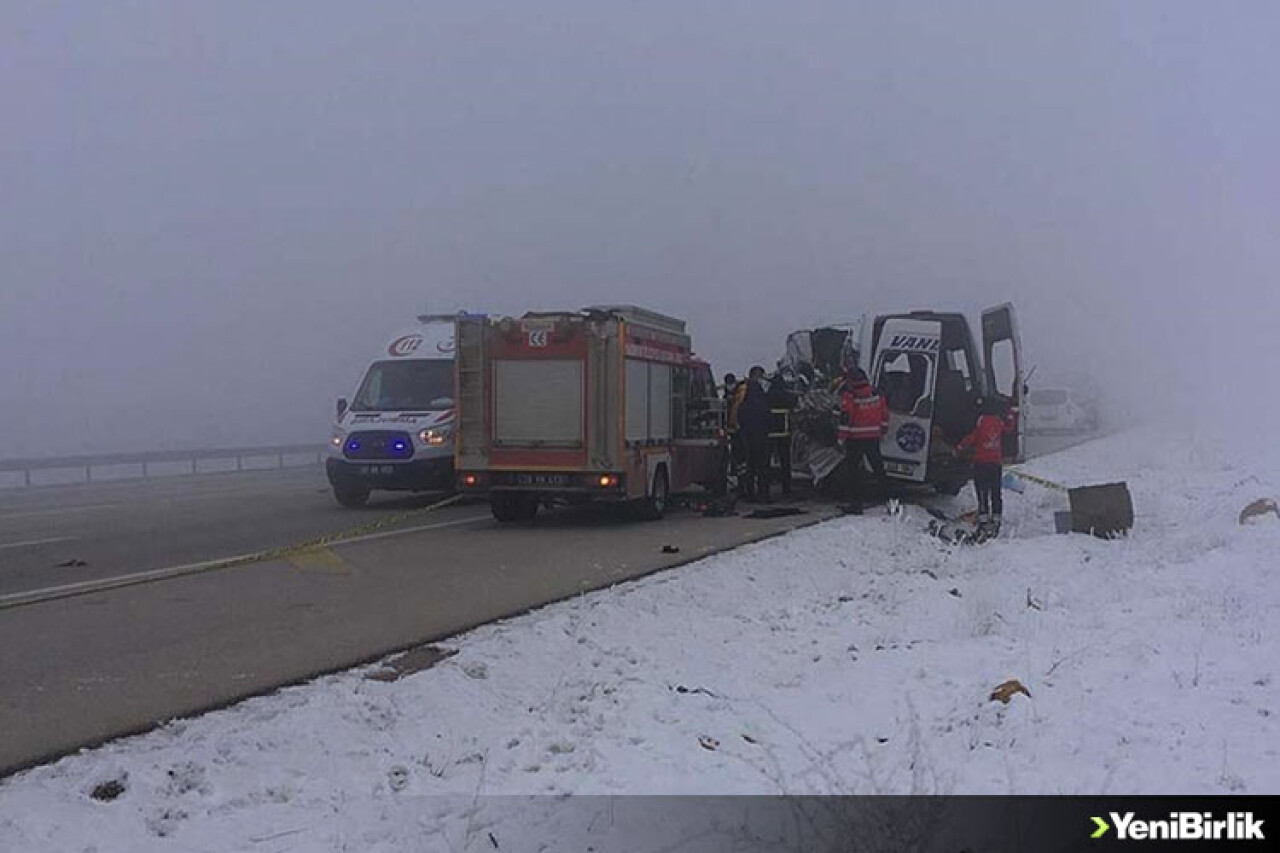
(864, 420)
(782, 400)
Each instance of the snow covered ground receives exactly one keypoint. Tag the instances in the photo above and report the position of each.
(854, 657)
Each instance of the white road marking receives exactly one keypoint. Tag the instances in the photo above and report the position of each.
(36, 596)
(57, 510)
(33, 542)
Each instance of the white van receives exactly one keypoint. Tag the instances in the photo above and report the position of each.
(1056, 410)
(397, 431)
(932, 370)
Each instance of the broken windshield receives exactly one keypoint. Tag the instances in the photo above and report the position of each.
(906, 380)
(400, 386)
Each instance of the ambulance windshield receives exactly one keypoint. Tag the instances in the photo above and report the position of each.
(417, 385)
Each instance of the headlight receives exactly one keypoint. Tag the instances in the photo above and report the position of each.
(337, 438)
(436, 437)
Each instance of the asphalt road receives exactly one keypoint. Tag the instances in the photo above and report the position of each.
(80, 670)
(127, 527)
(63, 535)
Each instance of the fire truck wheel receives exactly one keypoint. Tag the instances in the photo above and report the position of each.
(509, 508)
(352, 495)
(654, 506)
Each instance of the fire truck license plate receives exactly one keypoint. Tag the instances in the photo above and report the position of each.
(899, 468)
(543, 479)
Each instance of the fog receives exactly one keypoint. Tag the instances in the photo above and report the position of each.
(213, 213)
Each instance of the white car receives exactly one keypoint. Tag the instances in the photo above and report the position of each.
(1052, 410)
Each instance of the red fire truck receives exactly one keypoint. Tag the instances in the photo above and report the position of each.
(602, 404)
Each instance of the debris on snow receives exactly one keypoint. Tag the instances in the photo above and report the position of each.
(1259, 509)
(105, 792)
(1005, 692)
(415, 660)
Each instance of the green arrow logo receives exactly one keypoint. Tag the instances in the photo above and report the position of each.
(1103, 826)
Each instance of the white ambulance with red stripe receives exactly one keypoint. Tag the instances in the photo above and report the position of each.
(396, 432)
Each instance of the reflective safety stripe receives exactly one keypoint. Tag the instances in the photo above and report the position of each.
(785, 415)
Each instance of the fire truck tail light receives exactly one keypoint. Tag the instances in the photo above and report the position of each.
(608, 481)
(470, 480)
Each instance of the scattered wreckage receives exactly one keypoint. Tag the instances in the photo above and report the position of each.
(932, 370)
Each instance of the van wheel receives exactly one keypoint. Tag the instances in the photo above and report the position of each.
(511, 508)
(351, 495)
(654, 506)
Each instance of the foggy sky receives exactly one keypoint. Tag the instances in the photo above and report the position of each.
(213, 213)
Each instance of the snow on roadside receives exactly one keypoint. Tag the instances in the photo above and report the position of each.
(854, 657)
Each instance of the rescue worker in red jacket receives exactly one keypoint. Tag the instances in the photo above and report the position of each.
(985, 446)
(864, 420)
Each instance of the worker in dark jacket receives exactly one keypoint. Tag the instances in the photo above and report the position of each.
(985, 446)
(864, 419)
(750, 416)
(782, 400)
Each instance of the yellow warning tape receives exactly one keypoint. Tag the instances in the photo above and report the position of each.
(146, 577)
(1041, 481)
(351, 533)
(331, 539)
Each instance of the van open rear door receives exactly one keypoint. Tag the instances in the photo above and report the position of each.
(1002, 357)
(905, 369)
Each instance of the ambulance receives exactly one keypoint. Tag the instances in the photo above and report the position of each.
(396, 432)
(932, 370)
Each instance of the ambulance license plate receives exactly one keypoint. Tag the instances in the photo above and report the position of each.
(376, 470)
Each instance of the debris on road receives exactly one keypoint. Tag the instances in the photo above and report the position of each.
(73, 563)
(407, 663)
(775, 512)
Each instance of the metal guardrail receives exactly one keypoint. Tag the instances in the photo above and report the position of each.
(87, 463)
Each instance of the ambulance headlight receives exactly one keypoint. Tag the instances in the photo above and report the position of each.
(436, 436)
(337, 438)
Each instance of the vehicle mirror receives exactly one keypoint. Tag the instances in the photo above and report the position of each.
(342, 406)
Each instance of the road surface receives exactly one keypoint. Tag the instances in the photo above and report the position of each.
(83, 669)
